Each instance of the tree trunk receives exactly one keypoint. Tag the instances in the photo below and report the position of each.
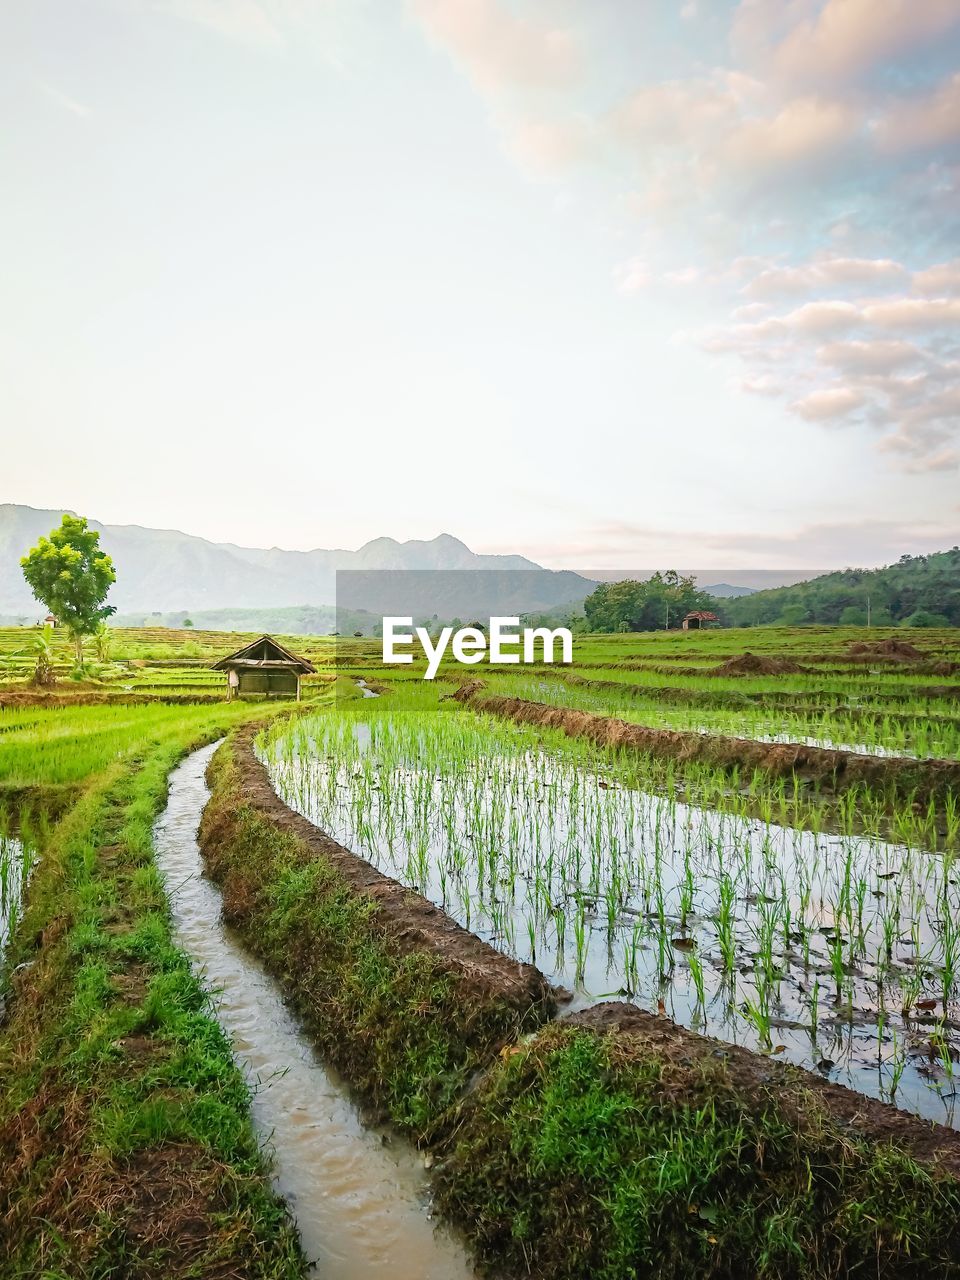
(78, 647)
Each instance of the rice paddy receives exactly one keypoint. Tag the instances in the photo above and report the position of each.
(838, 950)
(809, 919)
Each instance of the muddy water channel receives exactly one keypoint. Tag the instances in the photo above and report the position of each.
(16, 862)
(841, 953)
(359, 1197)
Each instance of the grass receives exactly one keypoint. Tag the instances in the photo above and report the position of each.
(407, 1026)
(125, 1143)
(125, 1140)
(564, 854)
(589, 1155)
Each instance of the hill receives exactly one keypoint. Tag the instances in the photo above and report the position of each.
(167, 571)
(916, 591)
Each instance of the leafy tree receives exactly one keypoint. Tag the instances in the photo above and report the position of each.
(69, 574)
(928, 584)
(853, 616)
(924, 618)
(660, 601)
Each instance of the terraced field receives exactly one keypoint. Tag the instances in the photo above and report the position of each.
(691, 904)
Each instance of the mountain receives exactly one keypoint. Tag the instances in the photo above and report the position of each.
(166, 571)
(916, 591)
(754, 579)
(726, 591)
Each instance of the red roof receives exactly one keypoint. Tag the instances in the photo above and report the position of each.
(702, 616)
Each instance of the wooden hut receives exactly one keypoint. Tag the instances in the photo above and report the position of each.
(264, 669)
(699, 619)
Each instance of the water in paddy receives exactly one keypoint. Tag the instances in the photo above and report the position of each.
(16, 862)
(840, 953)
(360, 1198)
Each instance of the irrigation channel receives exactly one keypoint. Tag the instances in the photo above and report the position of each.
(16, 863)
(359, 1198)
(839, 952)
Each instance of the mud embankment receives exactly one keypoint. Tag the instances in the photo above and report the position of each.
(616, 1143)
(609, 1143)
(898, 779)
(406, 1003)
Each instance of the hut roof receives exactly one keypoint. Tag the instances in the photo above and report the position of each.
(703, 615)
(265, 654)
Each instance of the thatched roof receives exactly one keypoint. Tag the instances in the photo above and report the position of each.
(264, 654)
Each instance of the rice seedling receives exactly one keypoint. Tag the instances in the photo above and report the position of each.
(541, 844)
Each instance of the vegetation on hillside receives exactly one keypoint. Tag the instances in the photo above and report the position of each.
(917, 591)
(656, 604)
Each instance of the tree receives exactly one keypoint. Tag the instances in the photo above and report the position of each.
(69, 574)
(661, 600)
(925, 618)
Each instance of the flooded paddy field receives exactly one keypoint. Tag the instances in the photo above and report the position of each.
(837, 951)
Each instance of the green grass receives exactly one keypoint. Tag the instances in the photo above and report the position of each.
(126, 1146)
(406, 1027)
(585, 1155)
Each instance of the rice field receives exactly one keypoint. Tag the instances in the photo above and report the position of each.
(838, 950)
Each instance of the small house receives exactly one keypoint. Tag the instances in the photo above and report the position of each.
(264, 669)
(50, 620)
(699, 619)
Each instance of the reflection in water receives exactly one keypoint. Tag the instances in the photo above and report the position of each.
(359, 1198)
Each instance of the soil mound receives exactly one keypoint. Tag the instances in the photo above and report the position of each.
(466, 691)
(900, 650)
(752, 664)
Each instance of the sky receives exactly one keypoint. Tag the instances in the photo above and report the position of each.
(608, 283)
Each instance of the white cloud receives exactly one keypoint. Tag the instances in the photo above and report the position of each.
(840, 40)
(939, 280)
(826, 273)
(913, 313)
(929, 121)
(822, 317)
(499, 49)
(803, 132)
(632, 276)
(869, 357)
(829, 404)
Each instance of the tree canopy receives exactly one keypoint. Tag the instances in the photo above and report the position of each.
(660, 601)
(69, 574)
(909, 593)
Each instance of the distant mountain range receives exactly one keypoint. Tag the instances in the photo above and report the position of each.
(164, 571)
(165, 576)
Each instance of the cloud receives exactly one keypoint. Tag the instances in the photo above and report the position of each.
(498, 49)
(869, 357)
(548, 146)
(929, 121)
(829, 404)
(939, 280)
(826, 273)
(914, 313)
(822, 317)
(804, 132)
(632, 276)
(840, 40)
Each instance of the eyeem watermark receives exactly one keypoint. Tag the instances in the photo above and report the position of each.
(504, 645)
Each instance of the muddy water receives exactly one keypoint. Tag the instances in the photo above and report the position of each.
(840, 952)
(15, 866)
(360, 1199)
